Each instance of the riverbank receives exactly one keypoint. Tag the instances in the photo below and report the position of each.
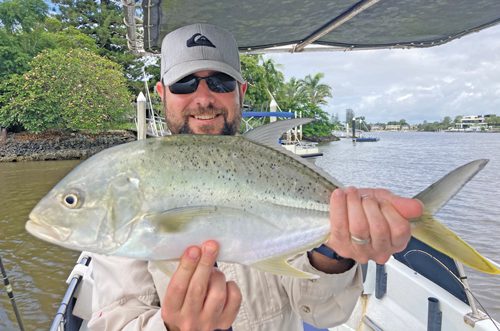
(59, 145)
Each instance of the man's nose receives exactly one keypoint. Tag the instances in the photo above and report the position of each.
(203, 95)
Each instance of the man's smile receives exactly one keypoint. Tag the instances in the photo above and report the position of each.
(205, 117)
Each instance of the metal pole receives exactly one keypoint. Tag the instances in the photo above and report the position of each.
(434, 315)
(141, 117)
(465, 283)
(11, 295)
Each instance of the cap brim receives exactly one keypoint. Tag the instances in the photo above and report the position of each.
(187, 68)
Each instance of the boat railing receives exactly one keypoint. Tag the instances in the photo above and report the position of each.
(62, 320)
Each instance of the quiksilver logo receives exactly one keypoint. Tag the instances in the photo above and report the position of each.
(199, 40)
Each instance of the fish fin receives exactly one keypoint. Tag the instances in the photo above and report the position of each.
(435, 234)
(165, 267)
(441, 238)
(175, 220)
(279, 266)
(438, 194)
(269, 134)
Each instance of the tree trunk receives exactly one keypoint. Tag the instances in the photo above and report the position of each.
(3, 135)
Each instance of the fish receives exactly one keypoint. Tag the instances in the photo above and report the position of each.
(151, 199)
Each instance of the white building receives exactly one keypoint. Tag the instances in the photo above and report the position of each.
(472, 123)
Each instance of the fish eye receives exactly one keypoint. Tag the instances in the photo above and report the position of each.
(72, 200)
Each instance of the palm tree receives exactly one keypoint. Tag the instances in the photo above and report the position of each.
(316, 91)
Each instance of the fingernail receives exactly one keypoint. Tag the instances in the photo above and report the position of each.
(193, 253)
(338, 192)
(210, 247)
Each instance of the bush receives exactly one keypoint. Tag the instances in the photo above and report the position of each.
(66, 89)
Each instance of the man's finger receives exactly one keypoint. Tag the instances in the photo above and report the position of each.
(380, 231)
(198, 286)
(216, 296)
(179, 284)
(339, 226)
(408, 208)
(232, 307)
(400, 227)
(358, 224)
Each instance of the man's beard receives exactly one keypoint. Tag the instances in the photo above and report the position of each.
(229, 128)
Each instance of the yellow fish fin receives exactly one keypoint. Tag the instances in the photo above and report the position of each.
(441, 238)
(435, 234)
(279, 266)
(166, 267)
(175, 220)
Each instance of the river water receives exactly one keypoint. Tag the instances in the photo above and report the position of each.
(404, 162)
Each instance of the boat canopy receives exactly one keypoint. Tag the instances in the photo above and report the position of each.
(298, 25)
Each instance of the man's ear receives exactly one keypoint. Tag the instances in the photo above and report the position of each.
(159, 89)
(243, 90)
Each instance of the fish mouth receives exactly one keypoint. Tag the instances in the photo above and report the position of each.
(55, 235)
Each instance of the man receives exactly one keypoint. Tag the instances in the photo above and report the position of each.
(203, 90)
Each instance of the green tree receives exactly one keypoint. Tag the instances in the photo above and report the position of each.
(493, 120)
(73, 89)
(18, 21)
(297, 95)
(22, 15)
(263, 78)
(103, 21)
(26, 30)
(446, 122)
(316, 92)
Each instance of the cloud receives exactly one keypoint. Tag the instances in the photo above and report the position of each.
(458, 78)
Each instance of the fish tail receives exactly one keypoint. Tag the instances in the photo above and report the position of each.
(435, 234)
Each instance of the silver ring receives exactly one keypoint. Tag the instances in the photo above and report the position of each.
(359, 241)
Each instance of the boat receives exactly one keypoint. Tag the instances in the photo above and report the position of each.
(365, 139)
(293, 139)
(418, 289)
(307, 150)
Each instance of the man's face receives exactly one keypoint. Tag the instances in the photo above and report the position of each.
(203, 111)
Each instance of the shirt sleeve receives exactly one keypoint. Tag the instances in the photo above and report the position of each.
(327, 301)
(124, 296)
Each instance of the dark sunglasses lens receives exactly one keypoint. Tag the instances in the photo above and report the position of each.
(221, 83)
(187, 85)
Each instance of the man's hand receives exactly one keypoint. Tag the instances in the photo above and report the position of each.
(198, 296)
(370, 224)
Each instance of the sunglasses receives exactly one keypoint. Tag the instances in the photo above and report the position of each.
(218, 83)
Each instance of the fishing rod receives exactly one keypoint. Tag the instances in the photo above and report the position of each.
(8, 287)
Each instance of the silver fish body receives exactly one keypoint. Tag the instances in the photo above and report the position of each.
(151, 199)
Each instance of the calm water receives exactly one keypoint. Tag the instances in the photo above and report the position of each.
(406, 163)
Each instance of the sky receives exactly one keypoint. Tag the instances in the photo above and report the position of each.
(461, 77)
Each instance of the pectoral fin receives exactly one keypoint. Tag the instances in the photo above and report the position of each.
(176, 220)
(279, 266)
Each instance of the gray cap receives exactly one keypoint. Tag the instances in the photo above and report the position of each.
(199, 47)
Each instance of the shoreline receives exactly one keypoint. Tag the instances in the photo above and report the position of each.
(59, 145)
